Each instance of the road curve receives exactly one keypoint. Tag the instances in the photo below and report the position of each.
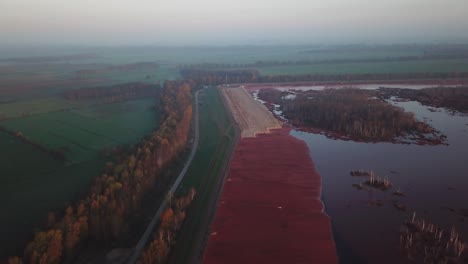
(146, 235)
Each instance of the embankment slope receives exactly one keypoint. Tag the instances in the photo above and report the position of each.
(252, 117)
(270, 209)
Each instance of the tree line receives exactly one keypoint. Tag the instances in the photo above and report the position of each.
(273, 63)
(216, 77)
(105, 213)
(171, 220)
(236, 76)
(56, 154)
(454, 98)
(114, 93)
(82, 74)
(360, 77)
(44, 59)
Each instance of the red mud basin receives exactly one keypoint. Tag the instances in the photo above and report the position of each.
(270, 209)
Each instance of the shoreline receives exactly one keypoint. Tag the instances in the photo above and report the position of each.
(419, 138)
(430, 82)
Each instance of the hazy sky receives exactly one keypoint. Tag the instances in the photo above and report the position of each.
(232, 22)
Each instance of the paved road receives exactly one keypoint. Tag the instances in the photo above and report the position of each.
(149, 230)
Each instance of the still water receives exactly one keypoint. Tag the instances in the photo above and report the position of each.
(434, 180)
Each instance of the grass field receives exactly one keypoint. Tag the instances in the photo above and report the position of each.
(216, 137)
(458, 65)
(81, 133)
(20, 82)
(34, 107)
(33, 183)
(244, 54)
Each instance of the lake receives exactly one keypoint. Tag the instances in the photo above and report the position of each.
(433, 179)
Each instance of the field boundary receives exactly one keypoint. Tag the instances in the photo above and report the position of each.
(428, 81)
(218, 188)
(194, 232)
(148, 232)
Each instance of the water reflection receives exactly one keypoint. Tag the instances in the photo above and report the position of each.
(433, 179)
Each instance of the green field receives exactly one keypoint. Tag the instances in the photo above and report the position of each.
(237, 54)
(82, 132)
(34, 107)
(456, 65)
(29, 82)
(216, 138)
(33, 183)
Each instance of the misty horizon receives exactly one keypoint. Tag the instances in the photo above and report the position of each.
(219, 23)
(217, 131)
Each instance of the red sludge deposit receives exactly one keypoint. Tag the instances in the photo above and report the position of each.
(270, 209)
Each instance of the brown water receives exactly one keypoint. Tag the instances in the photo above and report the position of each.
(431, 177)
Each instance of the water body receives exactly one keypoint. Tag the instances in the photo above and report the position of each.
(432, 178)
(373, 86)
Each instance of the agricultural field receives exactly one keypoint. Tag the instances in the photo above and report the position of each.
(416, 66)
(217, 133)
(22, 81)
(31, 102)
(82, 134)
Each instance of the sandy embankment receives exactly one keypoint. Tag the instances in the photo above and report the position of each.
(270, 209)
(253, 118)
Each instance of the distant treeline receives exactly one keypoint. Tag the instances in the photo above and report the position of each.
(43, 59)
(165, 236)
(115, 198)
(56, 154)
(350, 112)
(215, 77)
(415, 48)
(232, 76)
(454, 98)
(114, 93)
(361, 77)
(80, 74)
(272, 63)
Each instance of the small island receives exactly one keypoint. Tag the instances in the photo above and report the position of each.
(350, 114)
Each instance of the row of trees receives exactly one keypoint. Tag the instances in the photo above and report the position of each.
(114, 93)
(272, 63)
(104, 214)
(454, 98)
(45, 59)
(351, 112)
(215, 77)
(164, 237)
(56, 154)
(82, 74)
(360, 77)
(226, 76)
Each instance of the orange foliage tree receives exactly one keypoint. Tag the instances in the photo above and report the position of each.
(171, 220)
(103, 215)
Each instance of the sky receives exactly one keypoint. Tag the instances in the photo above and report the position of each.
(233, 22)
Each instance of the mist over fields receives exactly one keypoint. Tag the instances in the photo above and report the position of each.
(210, 22)
(217, 131)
